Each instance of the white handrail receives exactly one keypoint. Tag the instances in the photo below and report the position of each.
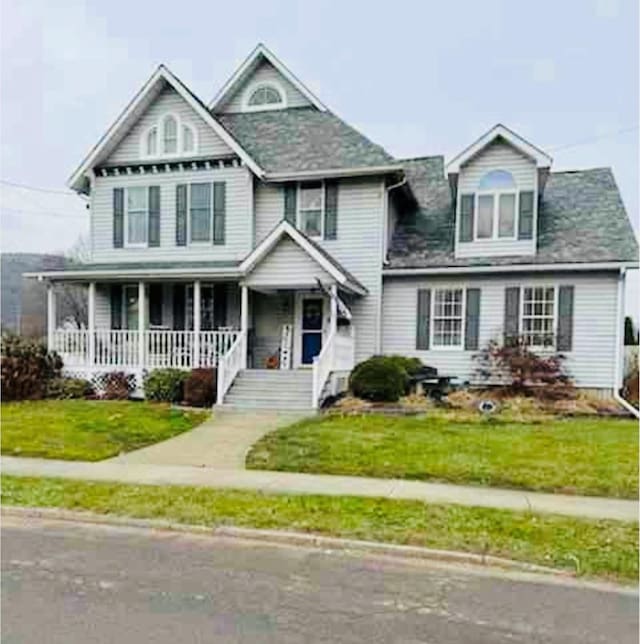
(322, 368)
(229, 365)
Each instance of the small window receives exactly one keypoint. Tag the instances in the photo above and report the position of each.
(152, 142)
(485, 217)
(170, 135)
(311, 209)
(188, 144)
(496, 206)
(200, 212)
(538, 316)
(507, 215)
(265, 95)
(137, 216)
(448, 318)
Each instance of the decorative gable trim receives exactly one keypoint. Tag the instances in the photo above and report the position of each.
(134, 110)
(261, 51)
(323, 260)
(541, 159)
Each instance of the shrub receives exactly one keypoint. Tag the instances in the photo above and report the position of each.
(165, 385)
(408, 366)
(118, 385)
(27, 367)
(524, 373)
(378, 379)
(65, 388)
(200, 387)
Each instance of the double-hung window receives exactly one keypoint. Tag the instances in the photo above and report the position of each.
(200, 208)
(538, 319)
(448, 318)
(137, 212)
(311, 210)
(496, 206)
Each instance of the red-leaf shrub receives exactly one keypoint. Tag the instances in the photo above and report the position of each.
(521, 372)
(118, 385)
(200, 387)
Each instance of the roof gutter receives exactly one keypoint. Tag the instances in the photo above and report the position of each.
(124, 274)
(509, 268)
(618, 377)
(331, 172)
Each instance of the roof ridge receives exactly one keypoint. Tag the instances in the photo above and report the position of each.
(422, 158)
(600, 167)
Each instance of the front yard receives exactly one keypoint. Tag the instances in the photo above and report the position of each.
(89, 430)
(590, 456)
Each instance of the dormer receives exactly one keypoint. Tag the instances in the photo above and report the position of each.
(496, 183)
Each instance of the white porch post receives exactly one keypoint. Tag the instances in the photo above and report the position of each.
(334, 308)
(244, 321)
(197, 302)
(51, 315)
(91, 314)
(141, 324)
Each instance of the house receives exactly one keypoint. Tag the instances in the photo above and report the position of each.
(262, 230)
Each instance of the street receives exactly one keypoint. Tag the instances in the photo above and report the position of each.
(73, 583)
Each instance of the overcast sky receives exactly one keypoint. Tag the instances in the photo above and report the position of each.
(419, 78)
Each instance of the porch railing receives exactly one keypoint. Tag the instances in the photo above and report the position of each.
(230, 364)
(120, 348)
(338, 354)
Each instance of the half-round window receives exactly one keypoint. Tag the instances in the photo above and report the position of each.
(152, 142)
(170, 135)
(265, 95)
(497, 180)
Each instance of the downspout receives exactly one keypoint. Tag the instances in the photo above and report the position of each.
(619, 360)
(384, 250)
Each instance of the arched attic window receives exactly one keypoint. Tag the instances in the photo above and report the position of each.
(188, 139)
(497, 180)
(151, 143)
(264, 97)
(496, 206)
(169, 135)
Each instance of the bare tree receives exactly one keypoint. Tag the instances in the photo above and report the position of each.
(73, 297)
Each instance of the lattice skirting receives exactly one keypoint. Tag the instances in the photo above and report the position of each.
(97, 375)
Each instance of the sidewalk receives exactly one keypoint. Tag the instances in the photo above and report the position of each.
(291, 483)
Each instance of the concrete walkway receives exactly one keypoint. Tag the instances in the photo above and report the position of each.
(220, 442)
(286, 482)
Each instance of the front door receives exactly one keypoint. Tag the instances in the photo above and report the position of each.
(311, 328)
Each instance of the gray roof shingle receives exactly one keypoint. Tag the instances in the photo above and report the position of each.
(300, 139)
(581, 219)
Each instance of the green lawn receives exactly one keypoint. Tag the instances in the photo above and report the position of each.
(87, 430)
(588, 547)
(592, 456)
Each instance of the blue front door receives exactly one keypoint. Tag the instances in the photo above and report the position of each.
(312, 316)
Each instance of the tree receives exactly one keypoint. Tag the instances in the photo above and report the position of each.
(631, 336)
(73, 297)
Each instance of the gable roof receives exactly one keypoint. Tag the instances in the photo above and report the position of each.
(314, 250)
(134, 110)
(261, 52)
(303, 139)
(581, 219)
(542, 159)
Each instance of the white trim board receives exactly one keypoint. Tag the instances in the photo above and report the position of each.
(134, 110)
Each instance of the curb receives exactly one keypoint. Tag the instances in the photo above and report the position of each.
(281, 537)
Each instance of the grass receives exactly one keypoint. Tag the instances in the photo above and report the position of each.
(593, 548)
(89, 430)
(590, 456)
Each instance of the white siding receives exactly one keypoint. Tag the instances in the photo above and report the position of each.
(591, 362)
(103, 306)
(269, 208)
(497, 156)
(209, 143)
(238, 217)
(264, 73)
(287, 265)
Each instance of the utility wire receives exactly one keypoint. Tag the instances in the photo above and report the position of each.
(24, 186)
(47, 213)
(594, 138)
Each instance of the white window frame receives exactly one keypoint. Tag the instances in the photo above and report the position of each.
(254, 87)
(299, 210)
(200, 243)
(521, 332)
(159, 126)
(127, 243)
(432, 318)
(495, 232)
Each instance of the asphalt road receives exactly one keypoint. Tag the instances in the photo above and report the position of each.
(74, 583)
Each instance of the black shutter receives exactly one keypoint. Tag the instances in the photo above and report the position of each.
(511, 315)
(116, 306)
(118, 217)
(181, 215)
(290, 202)
(565, 318)
(154, 216)
(422, 318)
(472, 321)
(331, 210)
(525, 215)
(219, 305)
(178, 307)
(155, 304)
(467, 205)
(219, 211)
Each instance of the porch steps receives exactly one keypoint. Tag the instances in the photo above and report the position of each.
(284, 390)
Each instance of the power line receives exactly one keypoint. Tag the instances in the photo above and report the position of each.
(594, 138)
(41, 213)
(24, 186)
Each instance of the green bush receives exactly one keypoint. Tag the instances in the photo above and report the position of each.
(67, 388)
(165, 385)
(408, 366)
(27, 368)
(200, 387)
(378, 379)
